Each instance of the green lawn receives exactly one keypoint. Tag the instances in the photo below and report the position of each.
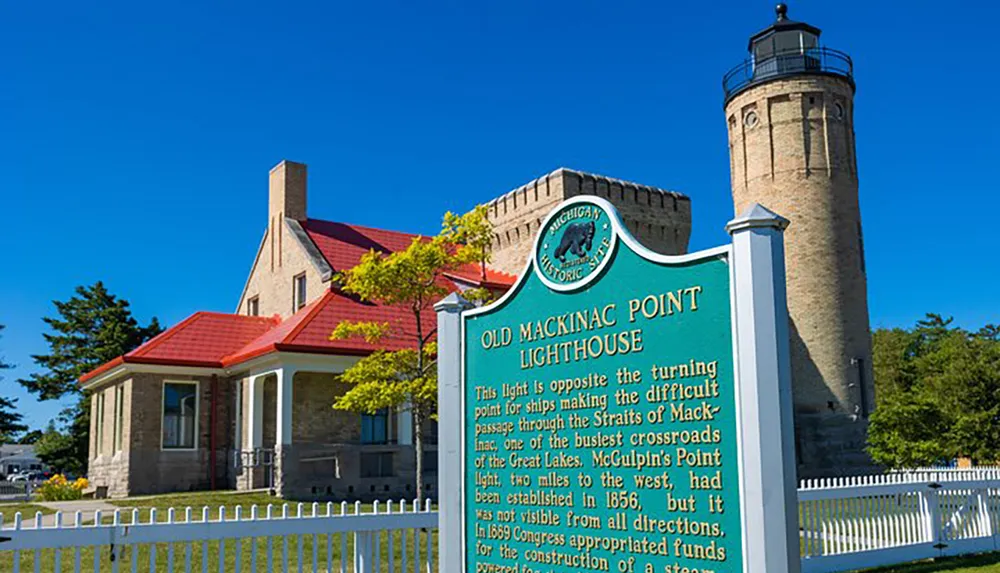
(986, 563)
(27, 511)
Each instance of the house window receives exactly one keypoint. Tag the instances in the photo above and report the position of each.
(430, 431)
(119, 417)
(99, 423)
(375, 427)
(430, 460)
(180, 415)
(299, 292)
(376, 464)
(253, 306)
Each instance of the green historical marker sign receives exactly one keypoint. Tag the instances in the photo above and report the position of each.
(601, 421)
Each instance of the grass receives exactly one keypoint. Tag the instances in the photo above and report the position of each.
(27, 511)
(985, 563)
(270, 554)
(253, 553)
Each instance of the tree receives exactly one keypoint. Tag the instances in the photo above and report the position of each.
(92, 327)
(938, 391)
(401, 379)
(908, 432)
(61, 450)
(10, 419)
(30, 437)
(405, 379)
(472, 237)
(964, 378)
(893, 351)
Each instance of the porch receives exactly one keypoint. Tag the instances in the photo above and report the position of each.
(290, 439)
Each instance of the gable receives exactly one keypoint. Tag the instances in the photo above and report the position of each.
(280, 258)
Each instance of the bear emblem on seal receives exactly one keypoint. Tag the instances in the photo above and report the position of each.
(578, 238)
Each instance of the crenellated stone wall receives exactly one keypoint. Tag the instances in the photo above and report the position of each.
(660, 220)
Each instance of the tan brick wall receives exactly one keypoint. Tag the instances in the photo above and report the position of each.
(271, 277)
(797, 159)
(318, 431)
(660, 220)
(313, 418)
(109, 468)
(142, 467)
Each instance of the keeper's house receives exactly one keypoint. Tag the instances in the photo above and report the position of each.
(243, 400)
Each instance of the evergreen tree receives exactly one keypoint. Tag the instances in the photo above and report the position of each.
(30, 437)
(10, 419)
(91, 328)
(938, 390)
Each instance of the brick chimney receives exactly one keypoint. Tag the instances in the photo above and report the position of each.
(287, 192)
(286, 199)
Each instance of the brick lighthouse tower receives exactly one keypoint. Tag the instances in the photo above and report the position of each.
(790, 115)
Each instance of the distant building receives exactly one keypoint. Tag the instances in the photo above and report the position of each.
(15, 458)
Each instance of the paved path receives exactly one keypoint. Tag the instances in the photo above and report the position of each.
(86, 507)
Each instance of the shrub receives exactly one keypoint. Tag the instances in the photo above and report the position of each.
(58, 488)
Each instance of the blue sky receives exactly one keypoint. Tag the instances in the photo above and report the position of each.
(136, 138)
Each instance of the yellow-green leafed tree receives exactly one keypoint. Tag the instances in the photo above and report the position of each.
(404, 379)
(472, 234)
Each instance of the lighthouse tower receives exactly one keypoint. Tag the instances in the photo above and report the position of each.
(790, 115)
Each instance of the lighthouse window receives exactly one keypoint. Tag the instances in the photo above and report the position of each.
(764, 49)
(750, 120)
(838, 110)
(787, 42)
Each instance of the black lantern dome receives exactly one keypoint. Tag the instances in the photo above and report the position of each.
(785, 48)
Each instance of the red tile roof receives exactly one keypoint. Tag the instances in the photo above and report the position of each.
(343, 245)
(201, 339)
(217, 340)
(309, 329)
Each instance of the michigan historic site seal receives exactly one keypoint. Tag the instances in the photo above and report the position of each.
(575, 243)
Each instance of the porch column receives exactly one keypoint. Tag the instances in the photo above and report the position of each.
(404, 426)
(283, 431)
(238, 432)
(255, 418)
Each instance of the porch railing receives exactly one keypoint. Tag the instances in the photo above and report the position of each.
(244, 460)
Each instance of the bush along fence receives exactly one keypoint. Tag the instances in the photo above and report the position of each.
(844, 524)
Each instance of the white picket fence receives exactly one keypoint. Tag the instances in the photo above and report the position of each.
(870, 521)
(844, 524)
(318, 538)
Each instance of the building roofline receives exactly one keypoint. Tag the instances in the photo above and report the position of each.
(585, 175)
(316, 257)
